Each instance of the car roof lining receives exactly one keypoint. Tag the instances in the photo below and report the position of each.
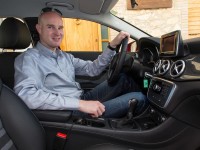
(67, 7)
(70, 9)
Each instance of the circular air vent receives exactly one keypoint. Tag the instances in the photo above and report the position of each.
(177, 68)
(164, 67)
(157, 66)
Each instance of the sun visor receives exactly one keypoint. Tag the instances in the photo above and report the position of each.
(91, 6)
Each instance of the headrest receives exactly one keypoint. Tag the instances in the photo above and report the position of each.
(14, 34)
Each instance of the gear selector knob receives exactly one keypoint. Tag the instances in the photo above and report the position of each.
(132, 108)
(128, 119)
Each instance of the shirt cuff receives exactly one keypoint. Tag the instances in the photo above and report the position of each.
(71, 103)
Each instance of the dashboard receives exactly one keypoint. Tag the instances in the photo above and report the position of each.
(175, 75)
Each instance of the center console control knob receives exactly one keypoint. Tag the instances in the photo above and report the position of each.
(157, 88)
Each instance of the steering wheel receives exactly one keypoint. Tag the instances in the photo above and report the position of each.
(117, 62)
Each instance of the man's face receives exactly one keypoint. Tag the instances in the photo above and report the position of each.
(50, 29)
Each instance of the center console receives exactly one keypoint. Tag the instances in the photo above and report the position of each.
(160, 92)
(150, 118)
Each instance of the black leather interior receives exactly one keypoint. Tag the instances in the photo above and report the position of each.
(19, 122)
(108, 146)
(14, 35)
(53, 115)
(20, 38)
(7, 71)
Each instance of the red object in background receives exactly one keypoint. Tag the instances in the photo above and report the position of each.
(61, 135)
(130, 46)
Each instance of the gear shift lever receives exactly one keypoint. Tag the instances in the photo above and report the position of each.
(130, 114)
(132, 107)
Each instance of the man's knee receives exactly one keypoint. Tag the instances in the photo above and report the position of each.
(128, 84)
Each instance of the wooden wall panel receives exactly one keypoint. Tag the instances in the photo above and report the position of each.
(150, 4)
(194, 17)
(81, 35)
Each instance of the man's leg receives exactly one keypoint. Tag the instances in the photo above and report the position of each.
(116, 105)
(119, 106)
(104, 92)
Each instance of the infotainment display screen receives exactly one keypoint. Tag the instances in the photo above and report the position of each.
(171, 44)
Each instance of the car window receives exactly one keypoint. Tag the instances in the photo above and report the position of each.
(83, 35)
(179, 15)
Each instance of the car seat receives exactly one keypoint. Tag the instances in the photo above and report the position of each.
(19, 128)
(14, 35)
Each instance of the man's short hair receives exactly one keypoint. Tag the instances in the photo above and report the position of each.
(50, 9)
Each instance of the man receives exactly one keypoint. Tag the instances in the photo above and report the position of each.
(45, 75)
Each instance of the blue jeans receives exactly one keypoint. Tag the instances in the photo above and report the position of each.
(116, 98)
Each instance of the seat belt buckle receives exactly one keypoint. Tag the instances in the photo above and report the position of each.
(60, 141)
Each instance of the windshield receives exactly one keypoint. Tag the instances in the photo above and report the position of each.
(178, 15)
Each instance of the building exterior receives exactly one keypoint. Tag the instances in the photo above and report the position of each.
(181, 15)
(157, 21)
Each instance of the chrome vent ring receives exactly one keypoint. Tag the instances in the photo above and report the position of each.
(177, 68)
(164, 67)
(157, 66)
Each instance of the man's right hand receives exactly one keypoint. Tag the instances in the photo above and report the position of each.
(94, 108)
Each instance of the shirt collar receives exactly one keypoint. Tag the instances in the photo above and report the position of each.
(47, 52)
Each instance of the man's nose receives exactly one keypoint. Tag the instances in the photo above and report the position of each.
(56, 31)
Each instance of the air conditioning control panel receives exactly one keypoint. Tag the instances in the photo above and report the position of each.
(160, 92)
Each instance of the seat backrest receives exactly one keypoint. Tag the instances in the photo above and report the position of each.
(7, 71)
(14, 34)
(18, 123)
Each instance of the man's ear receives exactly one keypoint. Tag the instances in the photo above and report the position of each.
(38, 28)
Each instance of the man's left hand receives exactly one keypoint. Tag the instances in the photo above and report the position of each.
(118, 39)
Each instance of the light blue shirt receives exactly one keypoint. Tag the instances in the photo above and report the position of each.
(46, 80)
